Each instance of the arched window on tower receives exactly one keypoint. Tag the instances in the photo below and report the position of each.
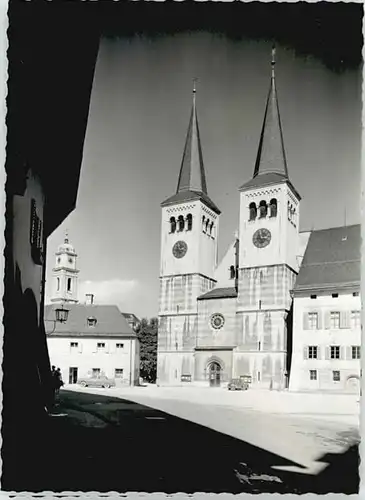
(232, 272)
(172, 224)
(206, 225)
(181, 223)
(263, 209)
(211, 227)
(253, 211)
(189, 220)
(273, 207)
(69, 284)
(294, 216)
(203, 222)
(58, 284)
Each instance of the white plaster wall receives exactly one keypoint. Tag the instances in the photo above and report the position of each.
(31, 273)
(284, 245)
(171, 365)
(222, 273)
(201, 256)
(207, 335)
(86, 357)
(63, 294)
(265, 368)
(323, 337)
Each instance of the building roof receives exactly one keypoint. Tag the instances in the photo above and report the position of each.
(271, 166)
(110, 321)
(192, 184)
(268, 179)
(219, 293)
(66, 247)
(185, 196)
(332, 260)
(131, 317)
(271, 153)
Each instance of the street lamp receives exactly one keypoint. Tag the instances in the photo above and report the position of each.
(61, 317)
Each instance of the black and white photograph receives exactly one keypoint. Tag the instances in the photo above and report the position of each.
(182, 256)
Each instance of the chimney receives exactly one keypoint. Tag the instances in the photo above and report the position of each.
(89, 299)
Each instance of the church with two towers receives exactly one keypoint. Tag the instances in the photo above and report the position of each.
(223, 320)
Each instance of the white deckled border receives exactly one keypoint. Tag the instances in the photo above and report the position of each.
(135, 495)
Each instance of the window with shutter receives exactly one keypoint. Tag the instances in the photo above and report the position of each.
(312, 352)
(335, 351)
(335, 320)
(355, 352)
(342, 352)
(313, 320)
(80, 347)
(355, 319)
(327, 352)
(305, 352)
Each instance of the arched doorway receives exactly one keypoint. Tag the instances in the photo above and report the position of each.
(353, 384)
(215, 374)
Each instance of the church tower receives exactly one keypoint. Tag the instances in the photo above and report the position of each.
(268, 266)
(65, 274)
(189, 234)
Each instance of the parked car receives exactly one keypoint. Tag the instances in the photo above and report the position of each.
(98, 381)
(238, 384)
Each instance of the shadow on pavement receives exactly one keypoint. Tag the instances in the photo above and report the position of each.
(101, 443)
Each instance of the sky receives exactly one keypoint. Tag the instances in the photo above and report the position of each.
(139, 114)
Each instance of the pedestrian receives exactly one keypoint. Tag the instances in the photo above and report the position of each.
(58, 382)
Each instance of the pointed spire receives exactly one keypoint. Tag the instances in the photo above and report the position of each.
(192, 174)
(66, 236)
(271, 153)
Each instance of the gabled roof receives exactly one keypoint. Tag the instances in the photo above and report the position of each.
(219, 293)
(332, 260)
(110, 321)
(192, 184)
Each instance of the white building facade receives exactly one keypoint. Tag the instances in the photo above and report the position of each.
(65, 274)
(327, 313)
(95, 339)
(80, 356)
(236, 318)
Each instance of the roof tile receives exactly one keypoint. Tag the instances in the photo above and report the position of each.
(219, 293)
(332, 259)
(110, 321)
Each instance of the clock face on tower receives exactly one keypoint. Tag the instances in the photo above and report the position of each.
(179, 249)
(261, 238)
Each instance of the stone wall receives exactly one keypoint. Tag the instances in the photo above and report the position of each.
(207, 334)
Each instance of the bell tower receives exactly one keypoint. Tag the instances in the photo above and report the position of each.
(189, 234)
(65, 274)
(269, 239)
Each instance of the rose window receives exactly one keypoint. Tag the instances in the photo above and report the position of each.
(217, 321)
